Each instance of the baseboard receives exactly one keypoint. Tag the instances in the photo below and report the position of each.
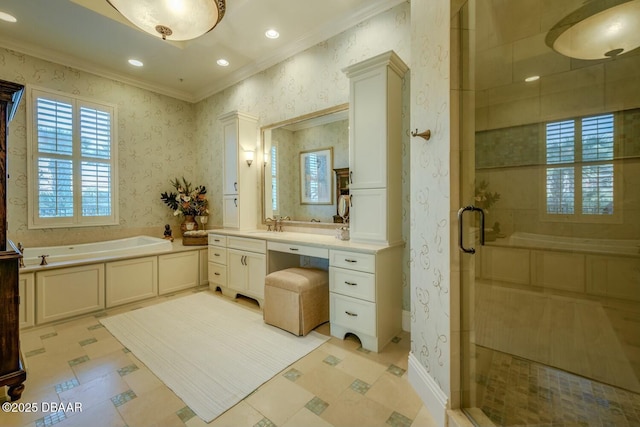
(406, 321)
(434, 399)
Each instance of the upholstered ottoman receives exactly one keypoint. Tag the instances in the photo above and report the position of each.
(296, 299)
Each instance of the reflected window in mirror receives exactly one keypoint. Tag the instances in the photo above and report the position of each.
(282, 145)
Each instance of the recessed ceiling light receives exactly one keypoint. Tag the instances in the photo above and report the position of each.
(222, 62)
(272, 34)
(531, 79)
(8, 18)
(136, 63)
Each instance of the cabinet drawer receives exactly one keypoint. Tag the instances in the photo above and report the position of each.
(217, 274)
(353, 261)
(242, 243)
(354, 314)
(218, 255)
(352, 283)
(298, 249)
(217, 239)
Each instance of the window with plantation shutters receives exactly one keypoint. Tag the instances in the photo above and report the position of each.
(580, 172)
(72, 147)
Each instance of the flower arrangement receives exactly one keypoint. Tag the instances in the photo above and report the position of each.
(187, 201)
(485, 199)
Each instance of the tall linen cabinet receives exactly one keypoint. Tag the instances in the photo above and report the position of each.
(375, 148)
(12, 371)
(240, 180)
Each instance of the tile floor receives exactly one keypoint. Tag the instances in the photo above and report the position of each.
(338, 384)
(519, 392)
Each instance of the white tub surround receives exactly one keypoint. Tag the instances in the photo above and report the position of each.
(577, 244)
(110, 274)
(365, 280)
(121, 248)
(598, 267)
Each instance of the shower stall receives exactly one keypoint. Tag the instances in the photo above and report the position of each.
(550, 134)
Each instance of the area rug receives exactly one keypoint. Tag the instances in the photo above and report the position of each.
(211, 352)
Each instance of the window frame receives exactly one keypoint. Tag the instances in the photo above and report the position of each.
(578, 165)
(77, 158)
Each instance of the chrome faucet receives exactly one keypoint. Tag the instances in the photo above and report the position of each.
(44, 259)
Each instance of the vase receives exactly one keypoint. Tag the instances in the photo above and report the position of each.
(188, 224)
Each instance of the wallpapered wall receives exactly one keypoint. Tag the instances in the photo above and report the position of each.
(310, 81)
(156, 142)
(433, 289)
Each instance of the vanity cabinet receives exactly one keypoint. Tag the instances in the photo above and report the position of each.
(246, 267)
(240, 181)
(375, 148)
(217, 260)
(365, 292)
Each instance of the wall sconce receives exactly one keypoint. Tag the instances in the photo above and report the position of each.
(266, 159)
(248, 155)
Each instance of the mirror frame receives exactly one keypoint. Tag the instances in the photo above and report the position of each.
(313, 115)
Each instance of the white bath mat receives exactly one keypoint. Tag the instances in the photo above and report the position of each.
(211, 352)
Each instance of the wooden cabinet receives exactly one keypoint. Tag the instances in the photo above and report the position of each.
(246, 267)
(240, 180)
(366, 295)
(375, 148)
(12, 371)
(177, 271)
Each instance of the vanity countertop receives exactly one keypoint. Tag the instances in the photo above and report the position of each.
(310, 239)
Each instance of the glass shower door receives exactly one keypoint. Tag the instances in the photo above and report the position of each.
(551, 302)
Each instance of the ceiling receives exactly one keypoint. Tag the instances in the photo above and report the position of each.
(90, 35)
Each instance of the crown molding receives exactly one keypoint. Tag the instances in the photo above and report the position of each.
(303, 43)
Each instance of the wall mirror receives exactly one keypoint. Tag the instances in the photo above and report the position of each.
(285, 145)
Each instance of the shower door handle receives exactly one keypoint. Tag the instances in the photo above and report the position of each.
(461, 228)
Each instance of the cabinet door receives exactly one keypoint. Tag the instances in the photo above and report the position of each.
(67, 292)
(236, 271)
(231, 211)
(230, 185)
(256, 266)
(368, 130)
(177, 271)
(368, 215)
(131, 280)
(26, 291)
(204, 267)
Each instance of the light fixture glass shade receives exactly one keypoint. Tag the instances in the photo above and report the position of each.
(177, 20)
(598, 30)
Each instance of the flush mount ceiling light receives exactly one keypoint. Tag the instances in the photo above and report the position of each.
(176, 20)
(600, 29)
